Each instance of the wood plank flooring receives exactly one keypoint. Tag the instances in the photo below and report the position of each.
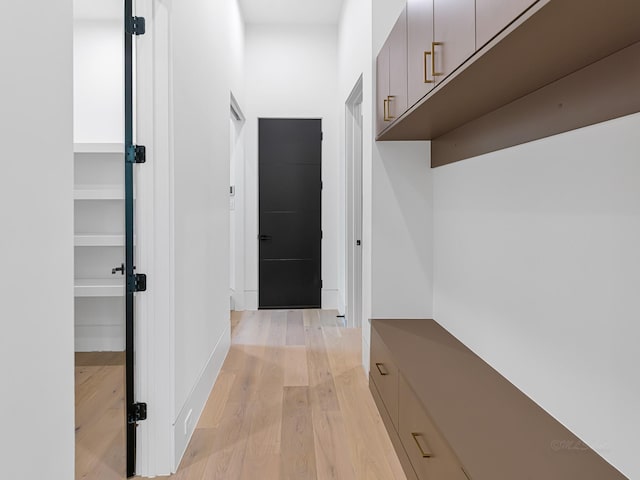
(100, 435)
(291, 403)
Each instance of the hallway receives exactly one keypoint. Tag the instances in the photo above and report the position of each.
(291, 402)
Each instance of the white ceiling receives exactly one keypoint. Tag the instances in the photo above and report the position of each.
(324, 12)
(98, 9)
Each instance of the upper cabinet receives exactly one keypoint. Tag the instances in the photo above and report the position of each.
(465, 61)
(391, 75)
(420, 61)
(493, 15)
(454, 26)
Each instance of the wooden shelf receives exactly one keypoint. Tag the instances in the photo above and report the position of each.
(99, 240)
(99, 192)
(98, 148)
(550, 41)
(101, 287)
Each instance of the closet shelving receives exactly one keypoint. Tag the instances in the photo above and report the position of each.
(99, 246)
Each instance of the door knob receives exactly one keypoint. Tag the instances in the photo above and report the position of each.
(264, 237)
(358, 242)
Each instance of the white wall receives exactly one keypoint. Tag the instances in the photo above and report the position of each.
(397, 190)
(98, 86)
(36, 245)
(402, 231)
(354, 60)
(201, 62)
(537, 261)
(291, 71)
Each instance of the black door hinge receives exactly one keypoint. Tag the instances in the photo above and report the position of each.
(321, 136)
(136, 154)
(138, 414)
(138, 282)
(136, 26)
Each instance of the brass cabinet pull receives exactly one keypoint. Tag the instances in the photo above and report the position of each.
(426, 453)
(378, 365)
(433, 59)
(385, 107)
(424, 64)
(389, 116)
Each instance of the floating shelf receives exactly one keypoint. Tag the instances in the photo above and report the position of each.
(98, 148)
(99, 192)
(101, 287)
(99, 240)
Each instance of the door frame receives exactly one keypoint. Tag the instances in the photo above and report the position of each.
(154, 250)
(354, 145)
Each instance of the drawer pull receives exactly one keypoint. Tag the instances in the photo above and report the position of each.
(433, 58)
(385, 372)
(425, 452)
(424, 64)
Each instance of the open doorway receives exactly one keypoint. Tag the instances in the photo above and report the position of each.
(105, 277)
(353, 165)
(236, 206)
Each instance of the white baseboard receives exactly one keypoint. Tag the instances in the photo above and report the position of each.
(342, 305)
(251, 300)
(329, 299)
(198, 397)
(237, 299)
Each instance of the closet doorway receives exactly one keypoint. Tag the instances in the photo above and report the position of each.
(105, 277)
(353, 166)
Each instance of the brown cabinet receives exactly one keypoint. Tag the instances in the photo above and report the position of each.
(391, 75)
(492, 16)
(454, 26)
(428, 452)
(419, 49)
(382, 87)
(458, 418)
(384, 373)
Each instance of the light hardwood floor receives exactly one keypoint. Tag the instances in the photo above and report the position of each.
(291, 403)
(100, 436)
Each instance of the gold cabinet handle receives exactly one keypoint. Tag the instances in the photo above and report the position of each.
(425, 452)
(389, 116)
(424, 64)
(433, 59)
(385, 107)
(378, 365)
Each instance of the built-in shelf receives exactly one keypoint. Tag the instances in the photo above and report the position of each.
(99, 241)
(99, 287)
(98, 148)
(99, 192)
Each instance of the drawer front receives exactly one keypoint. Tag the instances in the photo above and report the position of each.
(428, 452)
(384, 374)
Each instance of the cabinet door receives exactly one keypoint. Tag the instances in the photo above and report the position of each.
(419, 38)
(382, 88)
(494, 15)
(398, 68)
(454, 33)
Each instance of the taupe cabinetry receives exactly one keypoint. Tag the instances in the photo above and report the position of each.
(428, 451)
(385, 375)
(419, 49)
(454, 26)
(391, 75)
(459, 419)
(493, 15)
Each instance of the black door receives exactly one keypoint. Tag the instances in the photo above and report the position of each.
(290, 223)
